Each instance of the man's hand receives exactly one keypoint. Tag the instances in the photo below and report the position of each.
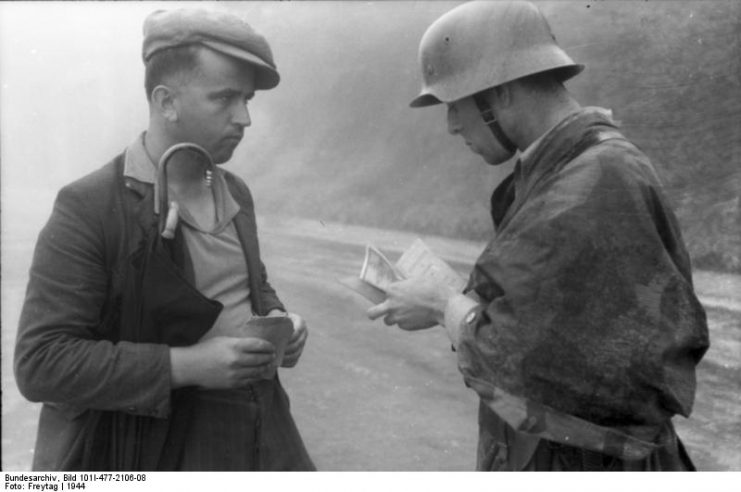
(413, 304)
(295, 346)
(221, 362)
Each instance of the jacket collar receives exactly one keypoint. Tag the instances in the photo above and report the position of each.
(554, 149)
(559, 145)
(560, 140)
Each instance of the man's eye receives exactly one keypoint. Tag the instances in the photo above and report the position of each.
(224, 98)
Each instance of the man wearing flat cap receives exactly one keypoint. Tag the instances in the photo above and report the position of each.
(135, 328)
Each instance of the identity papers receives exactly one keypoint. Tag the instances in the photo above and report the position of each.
(377, 272)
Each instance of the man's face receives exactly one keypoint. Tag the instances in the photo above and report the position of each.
(465, 120)
(211, 104)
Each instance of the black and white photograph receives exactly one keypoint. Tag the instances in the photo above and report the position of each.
(387, 236)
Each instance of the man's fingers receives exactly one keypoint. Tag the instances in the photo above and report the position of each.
(294, 346)
(378, 310)
(299, 335)
(297, 341)
(299, 323)
(252, 344)
(289, 360)
(291, 347)
(255, 361)
(254, 375)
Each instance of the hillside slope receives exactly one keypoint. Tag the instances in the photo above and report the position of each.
(337, 141)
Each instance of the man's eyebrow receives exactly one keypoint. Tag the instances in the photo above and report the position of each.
(225, 92)
(230, 92)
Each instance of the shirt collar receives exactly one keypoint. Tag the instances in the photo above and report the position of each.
(525, 157)
(528, 153)
(137, 163)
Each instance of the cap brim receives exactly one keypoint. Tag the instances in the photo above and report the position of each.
(266, 76)
(424, 100)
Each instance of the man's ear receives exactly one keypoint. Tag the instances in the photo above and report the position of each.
(163, 101)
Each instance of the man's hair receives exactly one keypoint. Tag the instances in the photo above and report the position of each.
(180, 61)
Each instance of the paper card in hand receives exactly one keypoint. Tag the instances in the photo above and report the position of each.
(275, 329)
(373, 294)
(376, 274)
(377, 270)
(419, 261)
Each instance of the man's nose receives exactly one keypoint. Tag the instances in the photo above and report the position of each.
(242, 116)
(454, 125)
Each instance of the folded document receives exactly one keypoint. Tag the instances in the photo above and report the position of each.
(377, 272)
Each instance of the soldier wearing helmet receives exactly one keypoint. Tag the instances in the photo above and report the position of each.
(579, 327)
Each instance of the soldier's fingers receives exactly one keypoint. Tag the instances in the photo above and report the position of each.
(378, 310)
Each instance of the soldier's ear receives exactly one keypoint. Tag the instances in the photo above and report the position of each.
(164, 102)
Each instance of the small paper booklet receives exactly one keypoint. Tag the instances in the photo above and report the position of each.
(377, 272)
(275, 329)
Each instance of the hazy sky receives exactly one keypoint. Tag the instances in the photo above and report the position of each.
(72, 84)
(72, 93)
(72, 80)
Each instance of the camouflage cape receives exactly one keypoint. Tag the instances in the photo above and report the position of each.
(588, 331)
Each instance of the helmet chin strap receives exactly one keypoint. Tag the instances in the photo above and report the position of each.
(487, 113)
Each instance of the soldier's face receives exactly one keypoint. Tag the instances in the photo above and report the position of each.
(465, 120)
(211, 105)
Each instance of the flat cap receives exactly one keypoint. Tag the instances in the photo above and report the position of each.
(219, 31)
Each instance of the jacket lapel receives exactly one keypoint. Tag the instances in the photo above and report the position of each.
(244, 223)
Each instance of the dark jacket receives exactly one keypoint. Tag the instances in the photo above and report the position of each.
(68, 352)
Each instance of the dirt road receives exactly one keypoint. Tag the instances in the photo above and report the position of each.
(369, 397)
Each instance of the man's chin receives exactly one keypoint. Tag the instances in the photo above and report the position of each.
(225, 152)
(492, 160)
(496, 162)
(497, 159)
(222, 157)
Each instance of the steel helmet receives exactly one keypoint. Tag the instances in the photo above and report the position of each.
(484, 44)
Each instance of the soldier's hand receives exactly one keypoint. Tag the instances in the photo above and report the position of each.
(222, 362)
(413, 304)
(295, 346)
